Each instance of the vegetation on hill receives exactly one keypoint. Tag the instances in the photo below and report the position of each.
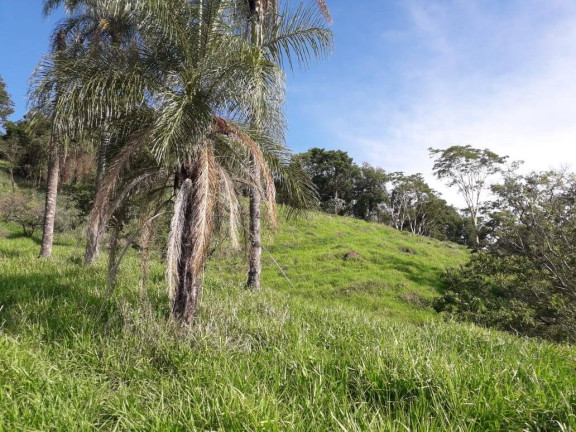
(525, 279)
(337, 260)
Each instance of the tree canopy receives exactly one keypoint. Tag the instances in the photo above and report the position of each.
(468, 169)
(6, 104)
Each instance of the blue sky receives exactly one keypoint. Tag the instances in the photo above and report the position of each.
(406, 75)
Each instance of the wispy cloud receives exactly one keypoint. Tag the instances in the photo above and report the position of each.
(488, 73)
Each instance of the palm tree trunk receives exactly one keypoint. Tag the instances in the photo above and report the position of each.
(191, 230)
(94, 236)
(51, 194)
(92, 244)
(255, 256)
(255, 263)
(102, 150)
(189, 286)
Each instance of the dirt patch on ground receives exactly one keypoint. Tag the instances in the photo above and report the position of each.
(407, 250)
(351, 255)
(415, 299)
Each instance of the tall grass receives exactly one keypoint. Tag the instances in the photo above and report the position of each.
(308, 358)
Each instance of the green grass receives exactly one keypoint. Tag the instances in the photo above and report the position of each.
(353, 346)
(396, 273)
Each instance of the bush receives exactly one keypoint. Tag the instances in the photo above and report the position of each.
(508, 293)
(23, 209)
(27, 210)
(68, 216)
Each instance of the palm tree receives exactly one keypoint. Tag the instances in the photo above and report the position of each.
(90, 24)
(58, 48)
(201, 72)
(263, 16)
(189, 79)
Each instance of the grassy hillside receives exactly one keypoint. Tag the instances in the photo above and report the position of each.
(351, 346)
(394, 273)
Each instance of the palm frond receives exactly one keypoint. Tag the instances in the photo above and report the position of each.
(222, 126)
(229, 195)
(105, 195)
(300, 36)
(50, 6)
(202, 199)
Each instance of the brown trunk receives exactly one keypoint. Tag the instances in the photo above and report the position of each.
(255, 264)
(51, 194)
(189, 286)
(192, 247)
(92, 244)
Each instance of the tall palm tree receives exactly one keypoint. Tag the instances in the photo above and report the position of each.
(58, 48)
(90, 24)
(263, 17)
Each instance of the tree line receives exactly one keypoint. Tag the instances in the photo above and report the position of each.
(403, 201)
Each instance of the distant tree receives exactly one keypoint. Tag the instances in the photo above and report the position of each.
(334, 174)
(10, 151)
(412, 205)
(468, 169)
(370, 193)
(446, 223)
(536, 218)
(25, 146)
(409, 202)
(6, 104)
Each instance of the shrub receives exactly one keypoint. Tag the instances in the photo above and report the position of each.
(508, 293)
(23, 209)
(27, 210)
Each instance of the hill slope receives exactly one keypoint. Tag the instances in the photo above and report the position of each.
(345, 348)
(390, 272)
